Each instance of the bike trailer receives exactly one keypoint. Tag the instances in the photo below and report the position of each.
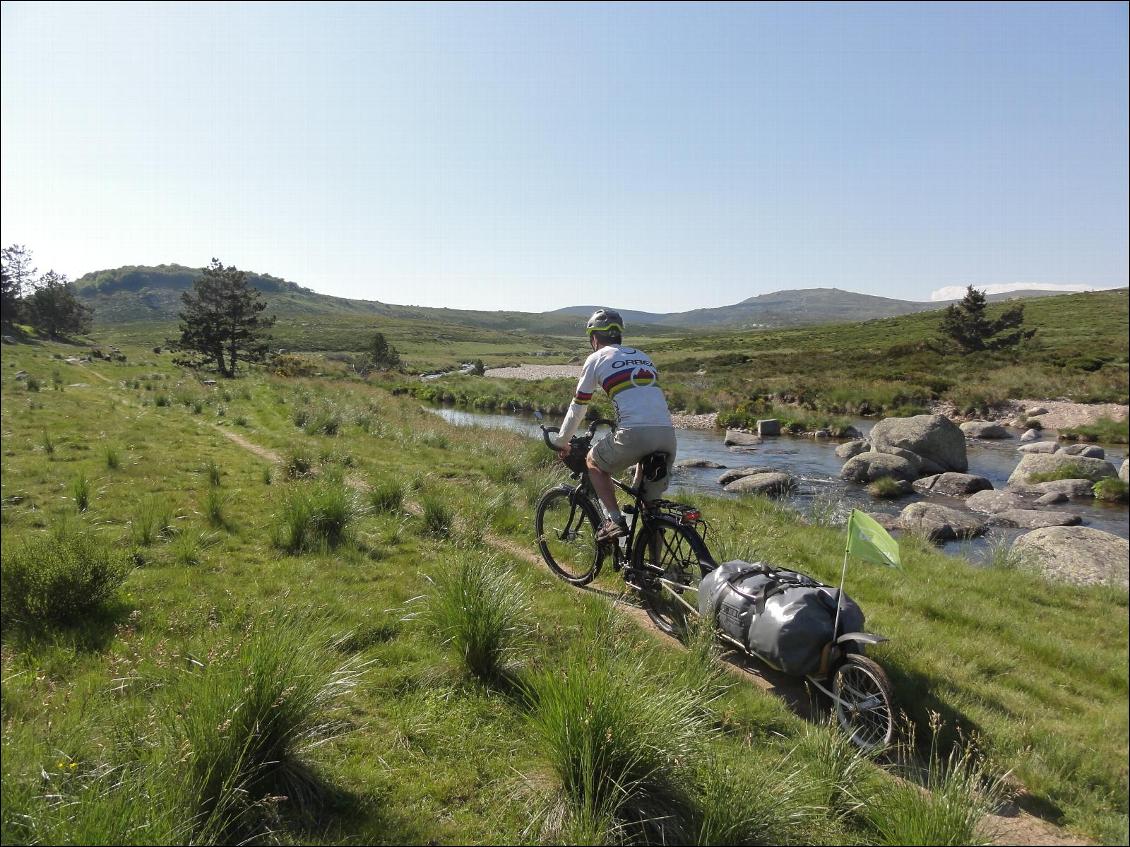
(783, 616)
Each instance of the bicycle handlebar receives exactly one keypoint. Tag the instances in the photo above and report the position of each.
(546, 431)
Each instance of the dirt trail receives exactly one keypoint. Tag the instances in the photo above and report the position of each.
(1012, 826)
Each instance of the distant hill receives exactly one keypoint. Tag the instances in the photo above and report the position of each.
(134, 294)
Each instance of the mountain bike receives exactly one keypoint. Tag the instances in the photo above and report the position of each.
(663, 556)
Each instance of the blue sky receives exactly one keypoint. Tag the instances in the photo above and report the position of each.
(659, 157)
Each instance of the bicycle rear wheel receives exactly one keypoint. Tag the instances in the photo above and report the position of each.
(670, 560)
(566, 524)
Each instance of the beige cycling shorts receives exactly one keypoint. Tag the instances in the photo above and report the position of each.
(614, 453)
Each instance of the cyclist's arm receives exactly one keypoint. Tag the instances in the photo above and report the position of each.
(585, 388)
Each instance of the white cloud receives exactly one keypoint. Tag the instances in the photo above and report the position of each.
(956, 292)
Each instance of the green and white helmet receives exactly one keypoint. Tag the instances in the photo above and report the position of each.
(605, 321)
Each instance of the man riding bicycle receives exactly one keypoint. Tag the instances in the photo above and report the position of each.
(644, 427)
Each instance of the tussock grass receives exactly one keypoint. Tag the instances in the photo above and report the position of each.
(960, 791)
(482, 612)
(1106, 430)
(252, 715)
(58, 579)
(1071, 470)
(152, 518)
(887, 488)
(314, 516)
(438, 516)
(215, 508)
(47, 444)
(298, 463)
(80, 491)
(212, 472)
(615, 734)
(187, 546)
(386, 495)
(113, 458)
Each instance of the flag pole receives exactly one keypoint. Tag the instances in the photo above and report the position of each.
(843, 577)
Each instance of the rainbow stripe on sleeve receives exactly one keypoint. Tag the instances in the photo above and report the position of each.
(582, 399)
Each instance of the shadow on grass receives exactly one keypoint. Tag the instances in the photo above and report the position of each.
(93, 634)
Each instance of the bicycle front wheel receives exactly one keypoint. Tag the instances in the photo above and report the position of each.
(670, 560)
(864, 703)
(566, 524)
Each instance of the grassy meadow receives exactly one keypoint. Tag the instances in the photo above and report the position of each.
(304, 609)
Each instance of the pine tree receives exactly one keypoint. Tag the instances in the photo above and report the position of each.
(16, 279)
(54, 309)
(967, 325)
(222, 322)
(384, 354)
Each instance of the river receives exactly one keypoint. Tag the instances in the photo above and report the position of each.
(817, 468)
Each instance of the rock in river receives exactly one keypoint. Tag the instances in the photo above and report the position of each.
(772, 484)
(941, 523)
(1091, 451)
(1073, 488)
(1039, 447)
(1077, 554)
(1033, 518)
(984, 429)
(952, 484)
(868, 467)
(853, 448)
(737, 438)
(995, 501)
(1080, 466)
(737, 473)
(933, 437)
(697, 463)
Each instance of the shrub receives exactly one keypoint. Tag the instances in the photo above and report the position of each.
(248, 719)
(386, 495)
(162, 400)
(80, 490)
(300, 417)
(32, 384)
(438, 515)
(314, 516)
(481, 611)
(59, 579)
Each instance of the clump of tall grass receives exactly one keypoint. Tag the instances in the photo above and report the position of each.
(1071, 470)
(959, 792)
(615, 733)
(386, 495)
(162, 400)
(80, 491)
(188, 545)
(113, 458)
(741, 799)
(32, 384)
(1112, 490)
(153, 518)
(482, 611)
(324, 421)
(215, 506)
(314, 516)
(1106, 430)
(59, 579)
(212, 472)
(267, 475)
(432, 438)
(438, 516)
(249, 719)
(298, 463)
(48, 444)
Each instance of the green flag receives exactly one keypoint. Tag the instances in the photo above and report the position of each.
(870, 542)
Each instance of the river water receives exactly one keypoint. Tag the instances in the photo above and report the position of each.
(817, 468)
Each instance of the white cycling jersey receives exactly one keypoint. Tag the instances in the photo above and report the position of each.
(627, 376)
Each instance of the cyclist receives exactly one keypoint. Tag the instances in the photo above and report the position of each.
(644, 423)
